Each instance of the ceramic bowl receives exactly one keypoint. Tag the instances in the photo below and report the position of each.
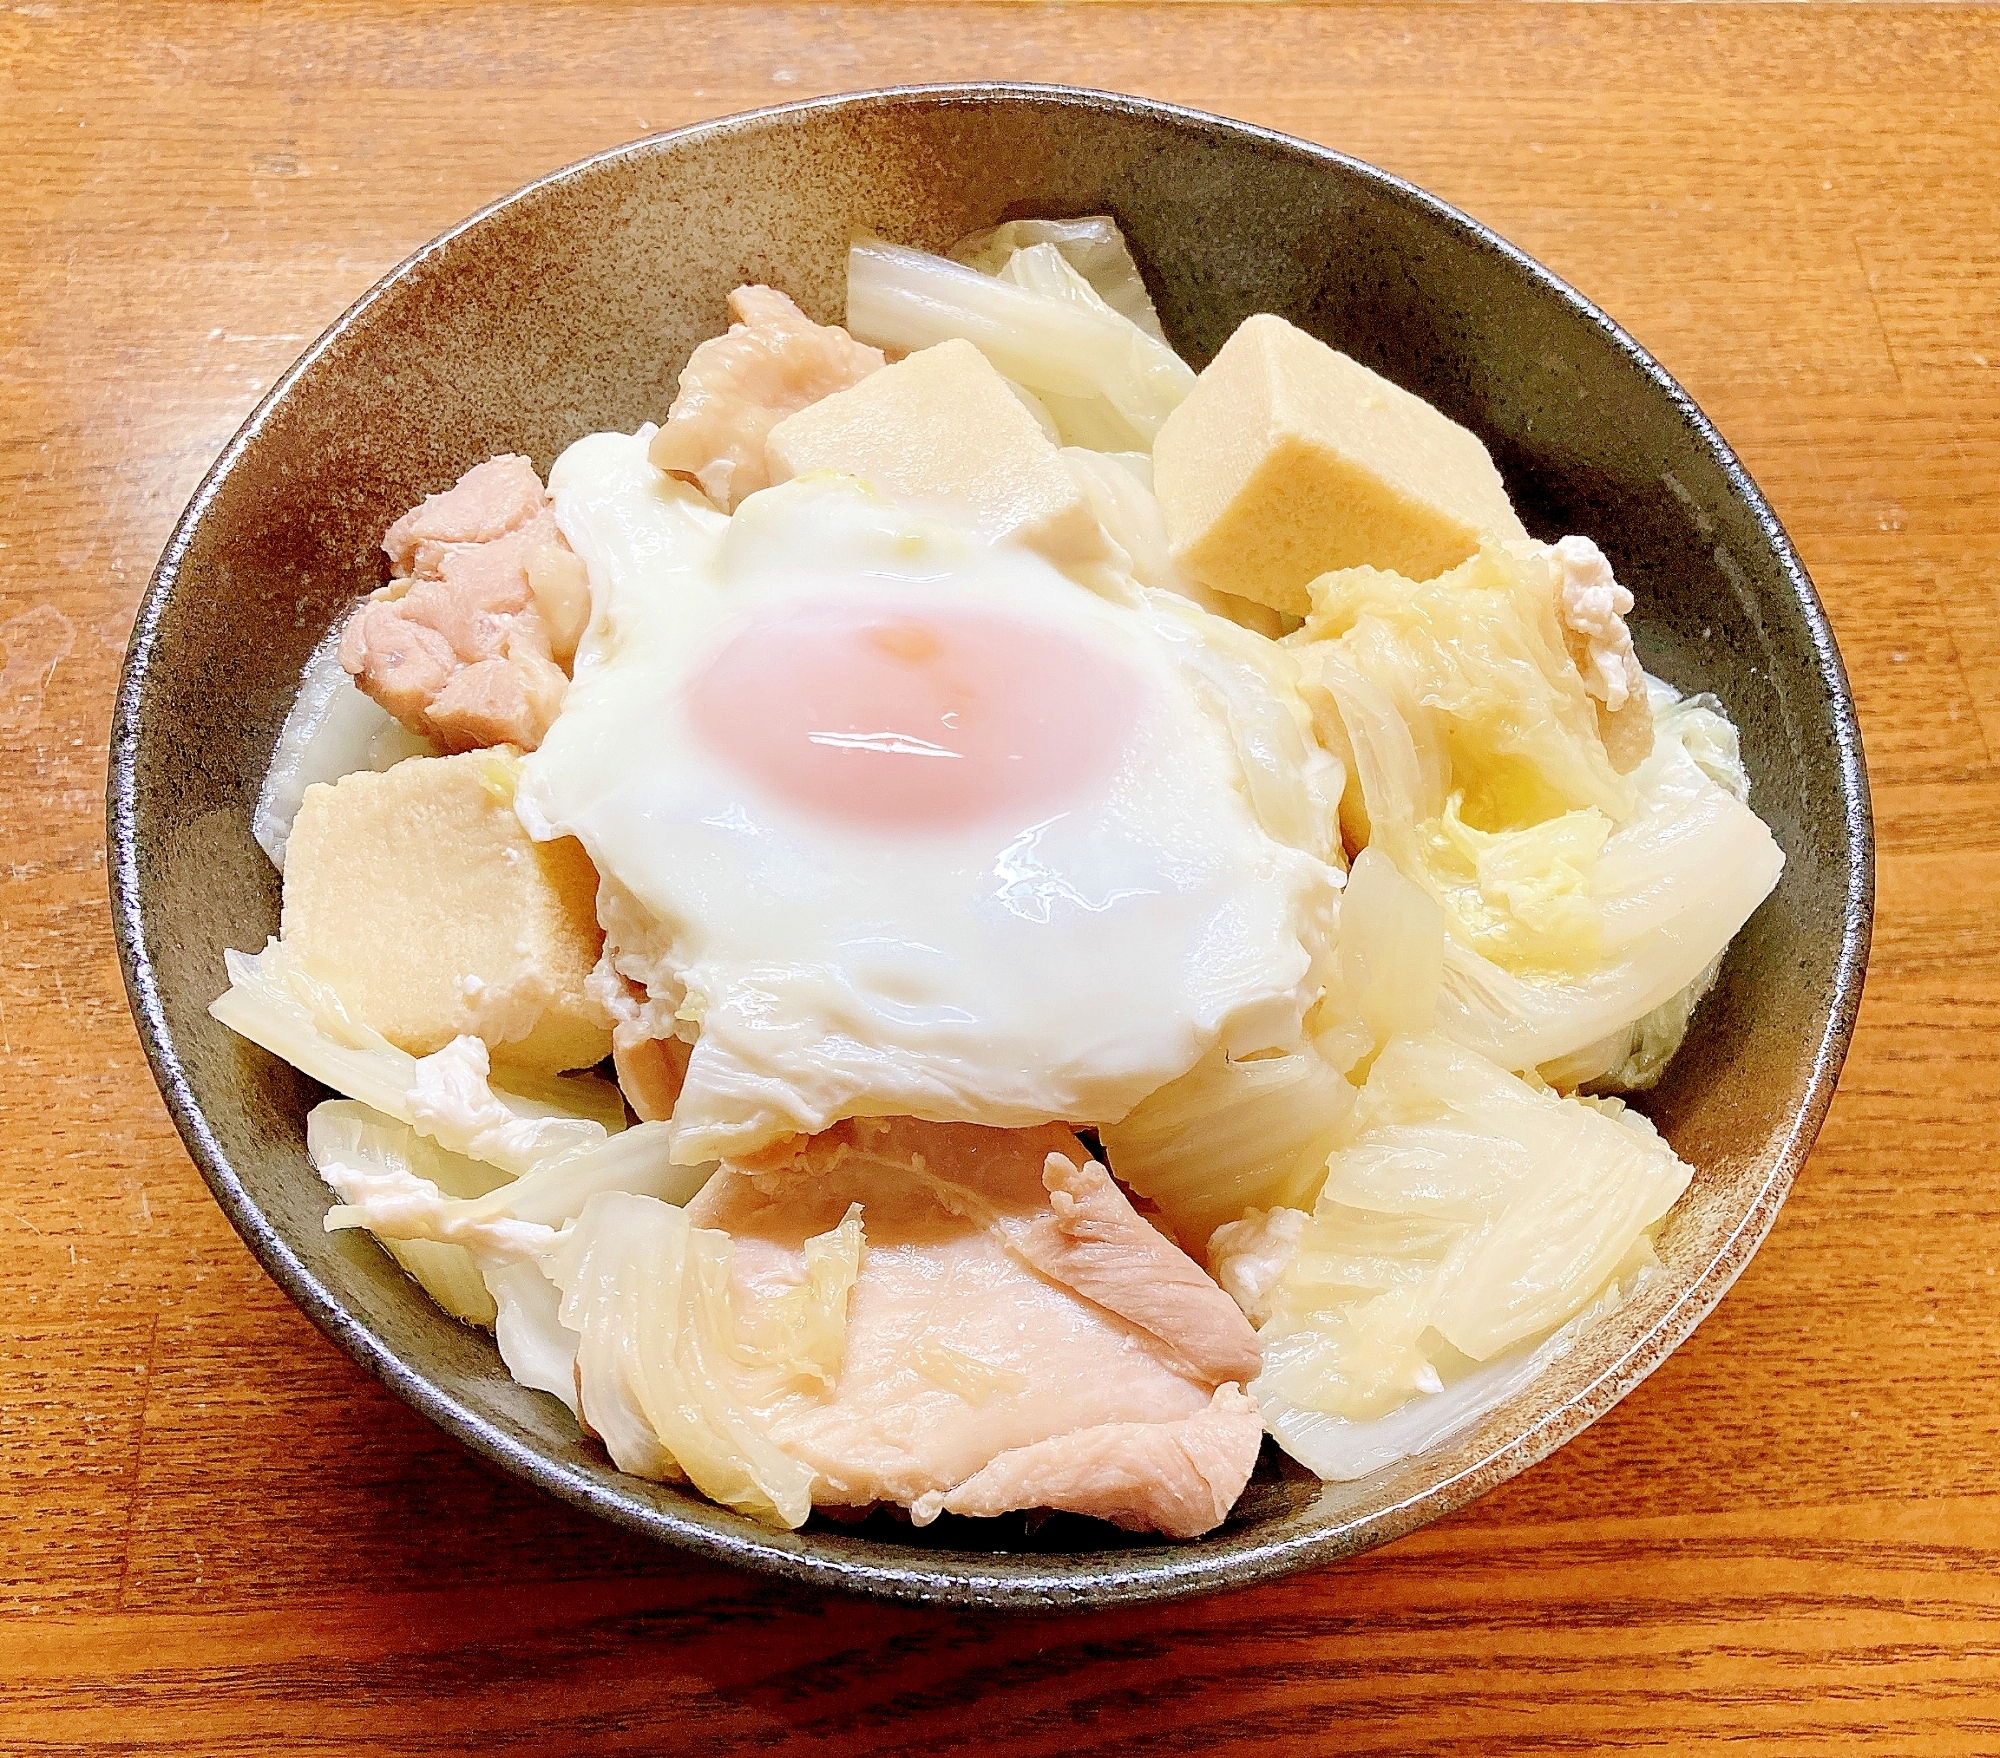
(572, 305)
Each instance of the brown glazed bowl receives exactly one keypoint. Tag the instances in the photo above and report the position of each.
(571, 306)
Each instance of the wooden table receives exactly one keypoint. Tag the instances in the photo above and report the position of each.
(217, 1536)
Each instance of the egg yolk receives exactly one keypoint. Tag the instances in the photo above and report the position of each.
(914, 720)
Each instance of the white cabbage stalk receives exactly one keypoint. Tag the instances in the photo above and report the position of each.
(1059, 348)
(1633, 1058)
(1091, 424)
(450, 1275)
(1231, 1136)
(1085, 422)
(332, 730)
(1039, 410)
(477, 1241)
(538, 1348)
(1390, 959)
(1094, 247)
(343, 1134)
(582, 1094)
(1228, 1136)
(446, 1096)
(453, 1101)
(660, 1358)
(1463, 1213)
(1702, 728)
(1042, 268)
(516, 1220)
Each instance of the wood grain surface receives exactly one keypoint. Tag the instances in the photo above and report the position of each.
(217, 1536)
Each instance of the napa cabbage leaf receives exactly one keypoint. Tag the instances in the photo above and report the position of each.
(1093, 247)
(670, 1375)
(1464, 1214)
(1104, 382)
(1577, 901)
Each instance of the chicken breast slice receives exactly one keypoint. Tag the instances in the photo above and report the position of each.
(460, 646)
(1180, 1478)
(773, 362)
(1094, 1241)
(977, 1357)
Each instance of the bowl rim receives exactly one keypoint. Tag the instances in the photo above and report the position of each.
(957, 1577)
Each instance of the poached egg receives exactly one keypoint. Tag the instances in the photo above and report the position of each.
(901, 821)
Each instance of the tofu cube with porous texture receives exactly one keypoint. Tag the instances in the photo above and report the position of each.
(416, 896)
(1288, 460)
(944, 426)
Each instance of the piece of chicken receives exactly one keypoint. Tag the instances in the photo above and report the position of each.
(463, 646)
(1592, 607)
(773, 362)
(488, 501)
(634, 985)
(651, 1067)
(1018, 1336)
(1180, 1478)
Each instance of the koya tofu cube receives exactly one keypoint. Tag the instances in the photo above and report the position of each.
(944, 426)
(418, 899)
(1288, 460)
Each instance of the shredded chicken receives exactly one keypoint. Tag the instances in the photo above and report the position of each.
(998, 1356)
(1592, 607)
(1250, 1256)
(735, 388)
(462, 645)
